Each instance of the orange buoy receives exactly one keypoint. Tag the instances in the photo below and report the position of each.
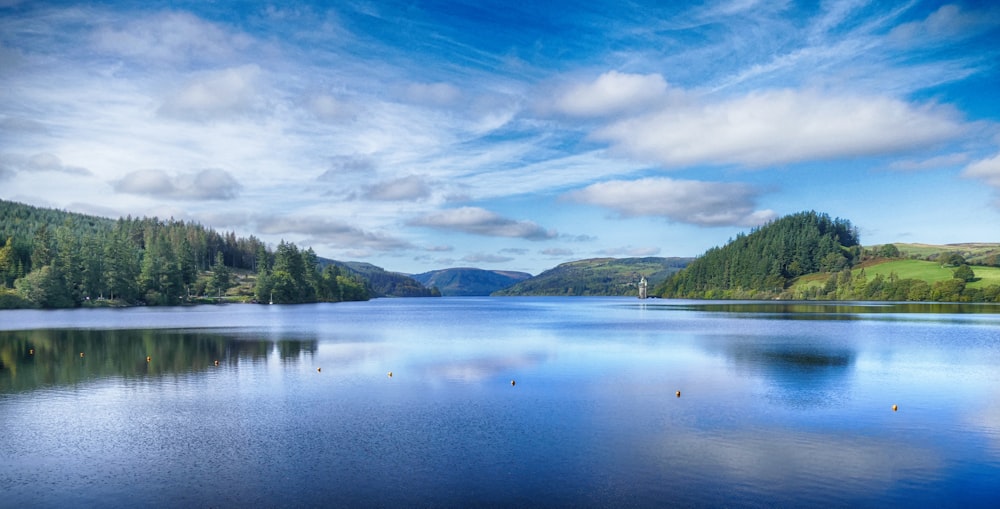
(895, 408)
(390, 374)
(513, 383)
(216, 363)
(81, 354)
(148, 358)
(31, 351)
(678, 394)
(319, 370)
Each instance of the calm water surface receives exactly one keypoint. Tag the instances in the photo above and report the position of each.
(780, 405)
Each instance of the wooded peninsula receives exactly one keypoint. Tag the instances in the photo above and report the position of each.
(809, 256)
(57, 259)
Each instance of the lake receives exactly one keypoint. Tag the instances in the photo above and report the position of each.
(554, 402)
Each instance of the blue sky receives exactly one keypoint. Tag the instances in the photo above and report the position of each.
(425, 135)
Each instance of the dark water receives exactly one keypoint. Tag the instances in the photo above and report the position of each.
(780, 405)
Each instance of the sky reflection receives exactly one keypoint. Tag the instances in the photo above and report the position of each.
(770, 412)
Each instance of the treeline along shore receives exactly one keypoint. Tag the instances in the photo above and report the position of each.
(56, 259)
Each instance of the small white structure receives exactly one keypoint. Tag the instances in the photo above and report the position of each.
(642, 288)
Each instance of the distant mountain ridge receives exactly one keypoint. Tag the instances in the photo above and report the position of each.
(469, 282)
(598, 276)
(384, 283)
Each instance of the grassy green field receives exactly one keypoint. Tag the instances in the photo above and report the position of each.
(972, 252)
(930, 272)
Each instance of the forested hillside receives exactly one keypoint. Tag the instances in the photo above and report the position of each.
(761, 264)
(55, 259)
(384, 283)
(598, 276)
(808, 256)
(470, 282)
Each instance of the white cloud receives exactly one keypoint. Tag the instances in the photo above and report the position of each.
(172, 37)
(439, 249)
(731, 7)
(410, 187)
(11, 164)
(932, 163)
(636, 252)
(328, 108)
(344, 166)
(611, 93)
(779, 127)
(209, 184)
(331, 232)
(483, 222)
(520, 251)
(13, 125)
(987, 170)
(949, 21)
(433, 94)
(222, 93)
(486, 258)
(846, 45)
(557, 252)
(687, 201)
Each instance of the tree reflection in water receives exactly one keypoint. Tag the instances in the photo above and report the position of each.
(797, 375)
(51, 357)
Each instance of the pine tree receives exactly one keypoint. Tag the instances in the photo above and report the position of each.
(221, 276)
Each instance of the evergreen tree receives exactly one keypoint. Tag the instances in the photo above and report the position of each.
(8, 264)
(330, 289)
(187, 262)
(41, 248)
(121, 266)
(68, 264)
(92, 266)
(289, 280)
(311, 274)
(221, 276)
(160, 277)
(261, 260)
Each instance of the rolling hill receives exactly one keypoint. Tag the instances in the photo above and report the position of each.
(923, 265)
(975, 253)
(761, 264)
(383, 283)
(468, 282)
(931, 272)
(598, 276)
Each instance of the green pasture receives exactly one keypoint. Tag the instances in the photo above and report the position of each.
(930, 272)
(971, 251)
